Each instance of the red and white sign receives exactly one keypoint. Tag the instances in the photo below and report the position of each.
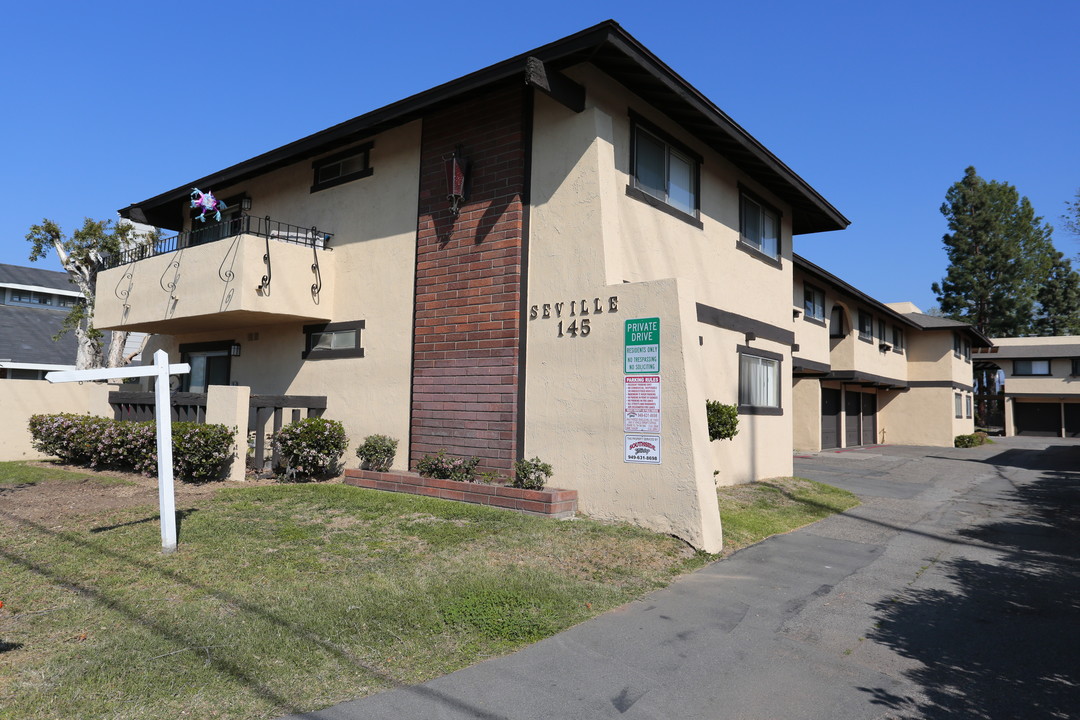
(641, 409)
(642, 449)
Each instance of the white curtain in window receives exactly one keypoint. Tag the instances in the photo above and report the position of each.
(759, 381)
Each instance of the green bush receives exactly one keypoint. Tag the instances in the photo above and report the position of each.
(972, 440)
(723, 420)
(377, 452)
(200, 451)
(310, 449)
(531, 474)
(447, 467)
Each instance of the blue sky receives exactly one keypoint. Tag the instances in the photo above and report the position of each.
(879, 106)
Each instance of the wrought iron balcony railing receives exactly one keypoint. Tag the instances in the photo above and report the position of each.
(243, 225)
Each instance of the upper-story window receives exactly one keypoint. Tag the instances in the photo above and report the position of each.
(759, 226)
(1076, 366)
(813, 303)
(665, 170)
(1031, 367)
(343, 167)
(956, 343)
(897, 338)
(881, 331)
(966, 349)
(866, 326)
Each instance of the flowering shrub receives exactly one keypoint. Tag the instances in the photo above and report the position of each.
(531, 474)
(310, 448)
(200, 451)
(378, 452)
(446, 467)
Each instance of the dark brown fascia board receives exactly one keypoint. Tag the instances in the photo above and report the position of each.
(827, 278)
(572, 49)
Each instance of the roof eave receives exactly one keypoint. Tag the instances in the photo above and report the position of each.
(812, 212)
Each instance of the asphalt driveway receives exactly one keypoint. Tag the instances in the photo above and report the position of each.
(952, 592)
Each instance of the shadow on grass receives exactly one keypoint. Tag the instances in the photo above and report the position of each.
(1004, 641)
(136, 614)
(180, 516)
(5, 646)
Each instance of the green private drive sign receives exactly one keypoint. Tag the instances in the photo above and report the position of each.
(642, 346)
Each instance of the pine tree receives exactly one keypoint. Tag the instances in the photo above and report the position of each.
(1059, 300)
(1000, 255)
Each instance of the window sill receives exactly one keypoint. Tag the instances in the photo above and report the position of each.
(757, 410)
(657, 203)
(820, 322)
(867, 340)
(757, 254)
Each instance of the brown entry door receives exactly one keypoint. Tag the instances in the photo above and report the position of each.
(852, 427)
(869, 419)
(830, 418)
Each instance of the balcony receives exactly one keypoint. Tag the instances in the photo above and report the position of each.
(241, 272)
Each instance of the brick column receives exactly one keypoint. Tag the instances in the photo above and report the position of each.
(467, 325)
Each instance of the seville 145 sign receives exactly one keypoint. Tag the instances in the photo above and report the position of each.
(642, 353)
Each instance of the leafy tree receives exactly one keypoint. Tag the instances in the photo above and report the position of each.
(80, 255)
(1000, 255)
(1059, 300)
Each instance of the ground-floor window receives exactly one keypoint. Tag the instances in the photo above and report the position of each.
(958, 403)
(759, 382)
(967, 399)
(333, 340)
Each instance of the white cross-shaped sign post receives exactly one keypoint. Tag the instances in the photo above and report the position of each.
(161, 369)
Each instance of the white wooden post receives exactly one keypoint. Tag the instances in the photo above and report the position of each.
(161, 369)
(163, 416)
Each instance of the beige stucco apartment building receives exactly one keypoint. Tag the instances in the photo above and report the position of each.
(866, 372)
(1041, 384)
(563, 255)
(622, 253)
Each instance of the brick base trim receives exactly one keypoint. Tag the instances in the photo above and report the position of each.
(548, 503)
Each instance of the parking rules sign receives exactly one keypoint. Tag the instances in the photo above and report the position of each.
(642, 349)
(642, 449)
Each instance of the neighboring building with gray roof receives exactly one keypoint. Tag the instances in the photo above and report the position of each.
(1042, 383)
(33, 305)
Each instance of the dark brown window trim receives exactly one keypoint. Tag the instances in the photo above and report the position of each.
(657, 203)
(638, 119)
(745, 244)
(814, 321)
(755, 410)
(632, 190)
(211, 346)
(356, 352)
(362, 149)
(767, 355)
(898, 350)
(757, 254)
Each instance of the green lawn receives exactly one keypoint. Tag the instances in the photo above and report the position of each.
(750, 513)
(289, 598)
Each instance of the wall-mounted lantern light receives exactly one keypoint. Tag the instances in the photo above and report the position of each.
(457, 170)
(234, 349)
(245, 203)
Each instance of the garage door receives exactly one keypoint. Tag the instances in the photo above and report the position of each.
(830, 418)
(1072, 419)
(852, 426)
(1039, 419)
(869, 419)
